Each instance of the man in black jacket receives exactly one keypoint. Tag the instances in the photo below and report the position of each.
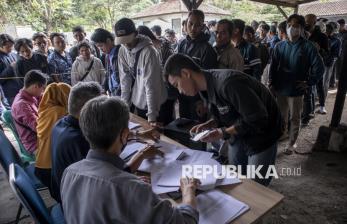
(321, 41)
(244, 111)
(196, 46)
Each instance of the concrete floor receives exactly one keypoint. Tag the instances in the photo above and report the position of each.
(318, 196)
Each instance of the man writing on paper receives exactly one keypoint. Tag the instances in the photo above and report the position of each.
(105, 192)
(244, 111)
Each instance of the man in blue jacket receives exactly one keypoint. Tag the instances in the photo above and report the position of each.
(295, 66)
(104, 40)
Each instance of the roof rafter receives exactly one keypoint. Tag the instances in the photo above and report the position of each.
(292, 4)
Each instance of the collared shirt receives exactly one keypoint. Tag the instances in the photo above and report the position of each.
(235, 99)
(97, 190)
(25, 113)
(229, 57)
(68, 146)
(61, 65)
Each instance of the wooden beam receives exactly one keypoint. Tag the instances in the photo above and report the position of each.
(284, 3)
(192, 4)
(278, 3)
(282, 11)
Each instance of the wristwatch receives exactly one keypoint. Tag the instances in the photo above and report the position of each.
(226, 135)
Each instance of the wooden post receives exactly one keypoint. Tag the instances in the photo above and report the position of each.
(282, 11)
(296, 9)
(341, 91)
(192, 4)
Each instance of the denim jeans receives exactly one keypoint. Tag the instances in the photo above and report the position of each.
(237, 156)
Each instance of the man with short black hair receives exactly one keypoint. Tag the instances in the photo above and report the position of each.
(156, 29)
(252, 62)
(80, 36)
(104, 40)
(272, 38)
(142, 84)
(25, 108)
(282, 30)
(60, 60)
(244, 111)
(196, 46)
(28, 60)
(228, 56)
(170, 35)
(8, 83)
(40, 41)
(263, 33)
(102, 184)
(321, 41)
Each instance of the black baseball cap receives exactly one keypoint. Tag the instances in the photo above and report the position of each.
(125, 31)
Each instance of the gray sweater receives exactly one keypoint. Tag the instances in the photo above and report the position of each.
(148, 92)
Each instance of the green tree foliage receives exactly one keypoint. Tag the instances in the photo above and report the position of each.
(43, 15)
(61, 15)
(248, 10)
(104, 13)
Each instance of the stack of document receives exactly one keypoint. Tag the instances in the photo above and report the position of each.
(215, 206)
(171, 175)
(166, 171)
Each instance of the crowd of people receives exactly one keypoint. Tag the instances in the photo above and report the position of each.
(251, 85)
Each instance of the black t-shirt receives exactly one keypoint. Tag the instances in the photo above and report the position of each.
(37, 61)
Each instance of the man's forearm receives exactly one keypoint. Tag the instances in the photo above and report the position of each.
(231, 130)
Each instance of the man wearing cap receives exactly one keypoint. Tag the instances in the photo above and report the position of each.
(142, 84)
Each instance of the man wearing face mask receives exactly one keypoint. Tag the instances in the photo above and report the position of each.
(295, 66)
(107, 194)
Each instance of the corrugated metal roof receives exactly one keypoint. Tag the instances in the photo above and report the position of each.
(338, 7)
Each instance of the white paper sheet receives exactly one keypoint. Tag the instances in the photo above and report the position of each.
(131, 148)
(172, 174)
(171, 153)
(200, 135)
(133, 125)
(215, 206)
(155, 176)
(195, 155)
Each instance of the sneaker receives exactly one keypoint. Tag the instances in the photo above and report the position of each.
(287, 151)
(290, 149)
(305, 122)
(322, 110)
